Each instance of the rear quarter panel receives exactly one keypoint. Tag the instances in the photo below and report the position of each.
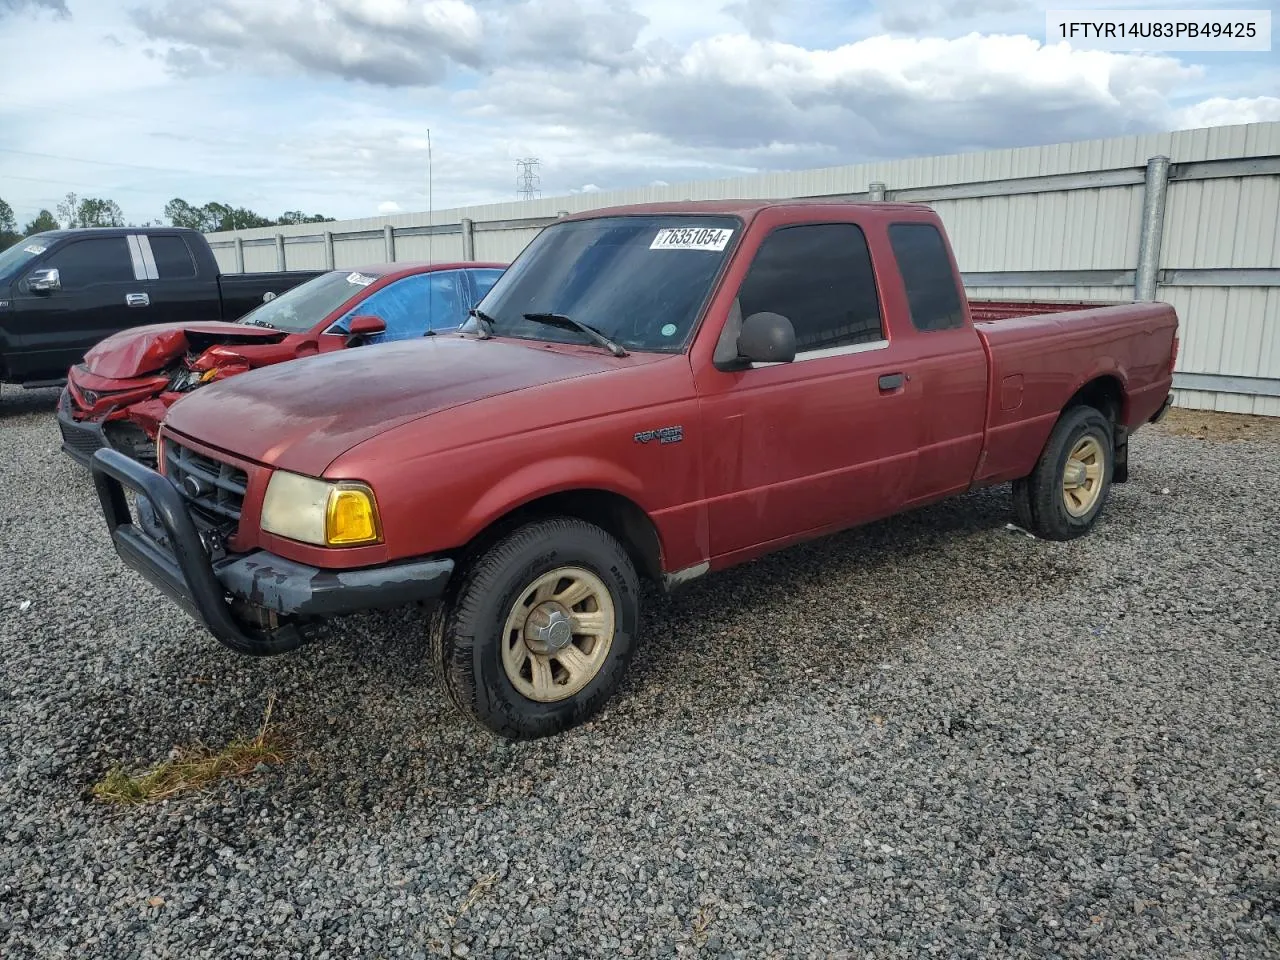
(1039, 362)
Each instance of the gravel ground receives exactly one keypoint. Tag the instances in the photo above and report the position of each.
(932, 737)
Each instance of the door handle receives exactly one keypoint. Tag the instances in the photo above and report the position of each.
(891, 381)
(137, 299)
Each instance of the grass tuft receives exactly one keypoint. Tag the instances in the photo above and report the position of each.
(195, 768)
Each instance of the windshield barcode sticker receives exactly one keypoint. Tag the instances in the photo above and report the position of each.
(34, 248)
(359, 279)
(692, 238)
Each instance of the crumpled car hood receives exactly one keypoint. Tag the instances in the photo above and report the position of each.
(303, 415)
(142, 350)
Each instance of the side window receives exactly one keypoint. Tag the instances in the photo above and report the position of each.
(85, 263)
(483, 280)
(446, 306)
(819, 277)
(926, 272)
(173, 258)
(412, 306)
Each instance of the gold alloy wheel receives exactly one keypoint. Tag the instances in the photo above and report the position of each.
(1082, 477)
(558, 634)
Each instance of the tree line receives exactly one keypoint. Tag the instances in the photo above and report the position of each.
(75, 211)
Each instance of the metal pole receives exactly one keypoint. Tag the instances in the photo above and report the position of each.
(280, 259)
(239, 245)
(328, 250)
(389, 243)
(431, 200)
(876, 189)
(1155, 192)
(468, 239)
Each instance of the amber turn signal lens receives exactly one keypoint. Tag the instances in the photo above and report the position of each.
(351, 517)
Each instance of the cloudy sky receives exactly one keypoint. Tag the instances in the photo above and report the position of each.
(324, 105)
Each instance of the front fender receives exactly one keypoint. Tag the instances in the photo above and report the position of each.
(543, 478)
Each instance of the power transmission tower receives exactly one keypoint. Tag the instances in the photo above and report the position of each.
(528, 183)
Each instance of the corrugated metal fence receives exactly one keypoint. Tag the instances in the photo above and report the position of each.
(1055, 222)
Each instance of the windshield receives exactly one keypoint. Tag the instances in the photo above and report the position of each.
(641, 281)
(13, 259)
(301, 308)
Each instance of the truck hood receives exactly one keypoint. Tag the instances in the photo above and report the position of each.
(142, 350)
(302, 415)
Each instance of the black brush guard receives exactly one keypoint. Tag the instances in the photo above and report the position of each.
(179, 563)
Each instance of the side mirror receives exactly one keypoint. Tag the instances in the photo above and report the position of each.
(365, 325)
(767, 338)
(44, 281)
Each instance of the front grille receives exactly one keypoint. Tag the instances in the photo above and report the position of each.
(81, 439)
(213, 488)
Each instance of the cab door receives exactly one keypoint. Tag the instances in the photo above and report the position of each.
(947, 362)
(98, 294)
(828, 440)
(177, 292)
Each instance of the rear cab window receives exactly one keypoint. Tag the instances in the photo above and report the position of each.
(933, 294)
(818, 276)
(173, 257)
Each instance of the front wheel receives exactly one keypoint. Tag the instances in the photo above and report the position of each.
(540, 629)
(1065, 493)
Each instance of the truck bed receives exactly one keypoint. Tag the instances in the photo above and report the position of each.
(1038, 359)
(986, 311)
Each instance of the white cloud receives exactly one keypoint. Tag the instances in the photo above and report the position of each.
(764, 103)
(391, 42)
(1220, 111)
(914, 16)
(389, 206)
(253, 103)
(57, 7)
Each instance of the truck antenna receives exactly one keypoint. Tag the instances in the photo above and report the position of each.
(430, 198)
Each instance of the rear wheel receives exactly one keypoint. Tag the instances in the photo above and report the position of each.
(540, 629)
(1065, 493)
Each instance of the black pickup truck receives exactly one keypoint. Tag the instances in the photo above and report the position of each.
(64, 290)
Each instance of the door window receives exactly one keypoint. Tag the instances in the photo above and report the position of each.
(819, 277)
(926, 272)
(86, 263)
(483, 281)
(412, 306)
(173, 258)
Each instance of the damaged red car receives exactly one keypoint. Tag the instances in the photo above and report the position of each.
(121, 391)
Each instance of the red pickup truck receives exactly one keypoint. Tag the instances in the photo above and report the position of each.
(656, 391)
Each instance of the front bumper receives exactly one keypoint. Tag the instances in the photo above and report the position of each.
(165, 545)
(80, 439)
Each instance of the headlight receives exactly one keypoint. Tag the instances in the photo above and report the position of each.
(328, 513)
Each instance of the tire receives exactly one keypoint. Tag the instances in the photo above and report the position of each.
(511, 670)
(1049, 503)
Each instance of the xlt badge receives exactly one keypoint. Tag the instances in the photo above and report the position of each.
(662, 435)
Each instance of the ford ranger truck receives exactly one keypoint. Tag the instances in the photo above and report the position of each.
(64, 290)
(654, 392)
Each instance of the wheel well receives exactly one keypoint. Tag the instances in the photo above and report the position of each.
(620, 517)
(1105, 394)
